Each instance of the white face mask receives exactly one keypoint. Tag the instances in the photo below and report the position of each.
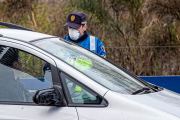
(74, 34)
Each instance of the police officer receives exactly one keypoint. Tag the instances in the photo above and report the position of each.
(77, 26)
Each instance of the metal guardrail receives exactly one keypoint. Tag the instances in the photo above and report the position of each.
(147, 60)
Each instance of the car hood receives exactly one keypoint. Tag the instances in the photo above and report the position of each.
(164, 100)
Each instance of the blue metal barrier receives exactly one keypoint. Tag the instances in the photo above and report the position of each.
(169, 82)
(36, 84)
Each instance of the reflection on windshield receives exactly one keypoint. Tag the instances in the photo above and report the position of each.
(92, 65)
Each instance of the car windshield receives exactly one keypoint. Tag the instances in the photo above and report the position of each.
(91, 64)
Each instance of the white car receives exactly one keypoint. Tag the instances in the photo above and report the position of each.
(46, 77)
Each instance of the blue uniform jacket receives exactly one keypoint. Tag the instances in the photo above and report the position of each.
(91, 43)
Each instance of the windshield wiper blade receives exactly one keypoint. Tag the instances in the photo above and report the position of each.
(143, 90)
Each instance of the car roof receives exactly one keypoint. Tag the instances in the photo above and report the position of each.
(23, 35)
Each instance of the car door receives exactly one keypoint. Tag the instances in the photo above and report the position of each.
(23, 71)
(89, 104)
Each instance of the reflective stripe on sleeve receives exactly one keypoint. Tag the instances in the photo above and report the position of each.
(92, 43)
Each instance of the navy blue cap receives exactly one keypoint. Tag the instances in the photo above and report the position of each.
(76, 19)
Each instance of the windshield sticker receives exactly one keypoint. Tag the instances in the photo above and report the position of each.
(80, 62)
(78, 89)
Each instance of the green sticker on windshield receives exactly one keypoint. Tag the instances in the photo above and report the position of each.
(81, 64)
(78, 89)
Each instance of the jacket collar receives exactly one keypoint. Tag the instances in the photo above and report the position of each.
(82, 38)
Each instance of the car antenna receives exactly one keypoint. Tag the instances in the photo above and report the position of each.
(13, 26)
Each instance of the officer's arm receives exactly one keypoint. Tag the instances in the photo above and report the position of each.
(101, 49)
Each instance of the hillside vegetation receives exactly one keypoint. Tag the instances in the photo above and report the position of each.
(142, 36)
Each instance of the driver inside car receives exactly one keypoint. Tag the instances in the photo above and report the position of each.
(11, 89)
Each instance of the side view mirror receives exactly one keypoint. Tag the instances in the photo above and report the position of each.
(52, 96)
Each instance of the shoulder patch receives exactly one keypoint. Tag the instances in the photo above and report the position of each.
(103, 48)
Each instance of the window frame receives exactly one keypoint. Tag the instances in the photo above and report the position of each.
(28, 48)
(104, 102)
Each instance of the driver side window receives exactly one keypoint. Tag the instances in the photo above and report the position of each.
(21, 75)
